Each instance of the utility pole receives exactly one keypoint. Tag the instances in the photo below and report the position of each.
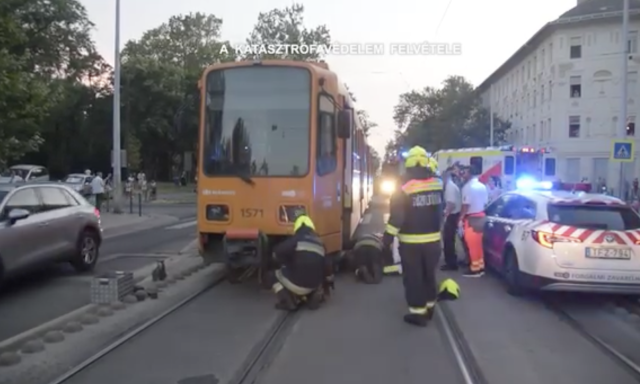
(622, 133)
(117, 167)
(491, 116)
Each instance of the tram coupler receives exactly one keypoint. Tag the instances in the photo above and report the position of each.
(245, 253)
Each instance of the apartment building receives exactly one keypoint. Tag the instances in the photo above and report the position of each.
(562, 89)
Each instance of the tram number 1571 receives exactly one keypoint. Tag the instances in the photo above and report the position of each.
(251, 212)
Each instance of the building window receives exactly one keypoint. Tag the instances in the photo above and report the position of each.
(632, 43)
(550, 91)
(574, 126)
(631, 126)
(535, 98)
(575, 87)
(542, 94)
(575, 50)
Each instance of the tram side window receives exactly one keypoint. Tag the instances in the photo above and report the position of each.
(327, 148)
(549, 167)
(476, 165)
(509, 165)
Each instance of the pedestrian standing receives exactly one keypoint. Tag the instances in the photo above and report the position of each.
(472, 219)
(453, 200)
(97, 189)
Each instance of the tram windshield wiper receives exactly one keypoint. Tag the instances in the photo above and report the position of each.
(244, 177)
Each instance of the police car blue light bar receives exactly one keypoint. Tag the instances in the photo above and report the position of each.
(526, 182)
(405, 154)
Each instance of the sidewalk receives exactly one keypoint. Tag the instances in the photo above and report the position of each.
(181, 197)
(117, 224)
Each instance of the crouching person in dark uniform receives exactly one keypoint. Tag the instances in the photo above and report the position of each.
(367, 260)
(415, 219)
(304, 272)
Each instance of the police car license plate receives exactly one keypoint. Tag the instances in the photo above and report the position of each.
(608, 253)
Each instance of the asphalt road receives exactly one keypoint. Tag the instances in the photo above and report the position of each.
(56, 290)
(358, 337)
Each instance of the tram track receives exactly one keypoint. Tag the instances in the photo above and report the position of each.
(466, 362)
(619, 358)
(266, 350)
(130, 335)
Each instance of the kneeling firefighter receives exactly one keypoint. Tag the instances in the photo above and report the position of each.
(415, 219)
(305, 271)
(367, 259)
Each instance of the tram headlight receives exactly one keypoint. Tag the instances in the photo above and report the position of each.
(388, 187)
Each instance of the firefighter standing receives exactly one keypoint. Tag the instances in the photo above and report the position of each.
(367, 259)
(415, 219)
(305, 269)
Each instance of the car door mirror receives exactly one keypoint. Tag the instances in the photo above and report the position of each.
(17, 214)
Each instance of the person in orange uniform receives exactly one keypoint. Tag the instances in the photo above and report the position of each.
(415, 218)
(474, 199)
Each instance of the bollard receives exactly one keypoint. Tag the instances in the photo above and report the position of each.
(139, 204)
(131, 203)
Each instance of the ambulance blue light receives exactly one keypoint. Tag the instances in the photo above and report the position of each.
(526, 183)
(546, 185)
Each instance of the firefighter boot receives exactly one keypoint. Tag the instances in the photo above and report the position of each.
(416, 319)
(286, 301)
(314, 299)
(364, 275)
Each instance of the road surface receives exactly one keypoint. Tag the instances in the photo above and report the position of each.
(55, 291)
(359, 337)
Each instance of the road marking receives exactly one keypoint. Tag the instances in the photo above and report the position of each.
(366, 219)
(183, 225)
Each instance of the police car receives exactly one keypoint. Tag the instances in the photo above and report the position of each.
(563, 241)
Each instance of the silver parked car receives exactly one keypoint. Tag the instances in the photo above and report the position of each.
(24, 172)
(46, 222)
(80, 183)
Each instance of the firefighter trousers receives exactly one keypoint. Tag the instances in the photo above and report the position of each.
(419, 263)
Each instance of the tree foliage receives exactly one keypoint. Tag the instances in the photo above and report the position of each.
(286, 26)
(56, 91)
(441, 118)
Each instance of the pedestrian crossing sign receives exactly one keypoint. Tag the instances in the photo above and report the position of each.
(622, 150)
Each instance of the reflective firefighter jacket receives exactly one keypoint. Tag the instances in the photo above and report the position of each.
(415, 215)
(303, 260)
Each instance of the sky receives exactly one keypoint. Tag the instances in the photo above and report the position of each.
(489, 32)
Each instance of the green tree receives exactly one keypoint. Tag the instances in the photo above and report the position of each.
(41, 44)
(286, 26)
(446, 117)
(365, 121)
(160, 93)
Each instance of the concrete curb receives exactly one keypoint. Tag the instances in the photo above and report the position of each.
(44, 359)
(154, 221)
(141, 277)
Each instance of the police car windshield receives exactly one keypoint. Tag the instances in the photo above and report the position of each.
(595, 217)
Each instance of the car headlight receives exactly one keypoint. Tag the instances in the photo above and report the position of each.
(388, 187)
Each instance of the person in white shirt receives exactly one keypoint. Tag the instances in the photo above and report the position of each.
(453, 200)
(97, 189)
(475, 197)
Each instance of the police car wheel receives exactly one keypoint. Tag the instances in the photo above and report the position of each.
(511, 271)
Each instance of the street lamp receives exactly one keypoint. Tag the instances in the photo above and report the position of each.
(117, 166)
(622, 133)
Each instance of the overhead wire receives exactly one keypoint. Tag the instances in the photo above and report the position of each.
(444, 15)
